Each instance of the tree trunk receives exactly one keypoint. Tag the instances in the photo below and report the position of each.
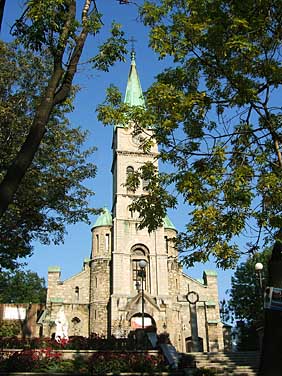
(24, 158)
(58, 89)
(271, 359)
(2, 7)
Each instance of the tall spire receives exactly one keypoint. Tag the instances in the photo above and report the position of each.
(133, 94)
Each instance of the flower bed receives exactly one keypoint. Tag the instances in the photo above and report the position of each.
(99, 363)
(94, 342)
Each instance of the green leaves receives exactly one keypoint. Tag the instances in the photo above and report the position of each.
(52, 193)
(43, 22)
(245, 305)
(216, 121)
(22, 287)
(151, 206)
(245, 297)
(112, 50)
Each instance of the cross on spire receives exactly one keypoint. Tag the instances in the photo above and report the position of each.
(132, 40)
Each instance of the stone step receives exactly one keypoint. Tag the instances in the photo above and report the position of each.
(219, 360)
(235, 364)
(231, 371)
(226, 355)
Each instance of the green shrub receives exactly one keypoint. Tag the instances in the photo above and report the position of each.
(9, 328)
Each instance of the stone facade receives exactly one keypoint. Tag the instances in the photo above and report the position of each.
(106, 297)
(73, 295)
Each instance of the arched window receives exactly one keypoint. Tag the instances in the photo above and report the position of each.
(129, 170)
(107, 241)
(75, 320)
(130, 213)
(145, 183)
(166, 243)
(97, 243)
(76, 293)
(76, 326)
(138, 253)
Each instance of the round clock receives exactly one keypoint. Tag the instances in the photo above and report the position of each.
(137, 139)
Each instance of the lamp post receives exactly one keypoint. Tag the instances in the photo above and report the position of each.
(258, 269)
(142, 274)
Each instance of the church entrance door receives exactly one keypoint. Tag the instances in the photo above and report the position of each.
(136, 321)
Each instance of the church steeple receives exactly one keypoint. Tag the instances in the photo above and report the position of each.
(133, 94)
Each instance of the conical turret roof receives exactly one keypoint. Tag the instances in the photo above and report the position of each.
(104, 219)
(168, 224)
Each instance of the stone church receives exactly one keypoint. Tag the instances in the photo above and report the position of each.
(113, 295)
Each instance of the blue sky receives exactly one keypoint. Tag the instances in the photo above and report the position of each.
(93, 85)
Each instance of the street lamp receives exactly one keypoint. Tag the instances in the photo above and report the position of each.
(258, 269)
(142, 274)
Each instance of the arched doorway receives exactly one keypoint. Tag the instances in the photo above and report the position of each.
(136, 322)
(76, 326)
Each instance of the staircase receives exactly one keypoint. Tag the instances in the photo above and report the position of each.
(235, 363)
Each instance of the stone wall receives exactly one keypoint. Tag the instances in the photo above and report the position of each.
(73, 290)
(100, 293)
(77, 316)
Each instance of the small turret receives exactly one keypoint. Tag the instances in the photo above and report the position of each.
(101, 234)
(100, 272)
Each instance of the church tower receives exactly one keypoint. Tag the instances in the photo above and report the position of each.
(130, 245)
(118, 246)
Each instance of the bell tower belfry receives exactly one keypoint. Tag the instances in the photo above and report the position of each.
(130, 244)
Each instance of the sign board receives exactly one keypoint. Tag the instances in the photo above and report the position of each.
(170, 354)
(273, 298)
(14, 313)
(153, 339)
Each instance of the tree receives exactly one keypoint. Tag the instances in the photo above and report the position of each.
(218, 123)
(2, 7)
(246, 300)
(52, 193)
(52, 25)
(22, 287)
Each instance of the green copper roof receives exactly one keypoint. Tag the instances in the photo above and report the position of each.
(53, 269)
(211, 273)
(104, 219)
(134, 93)
(56, 300)
(168, 223)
